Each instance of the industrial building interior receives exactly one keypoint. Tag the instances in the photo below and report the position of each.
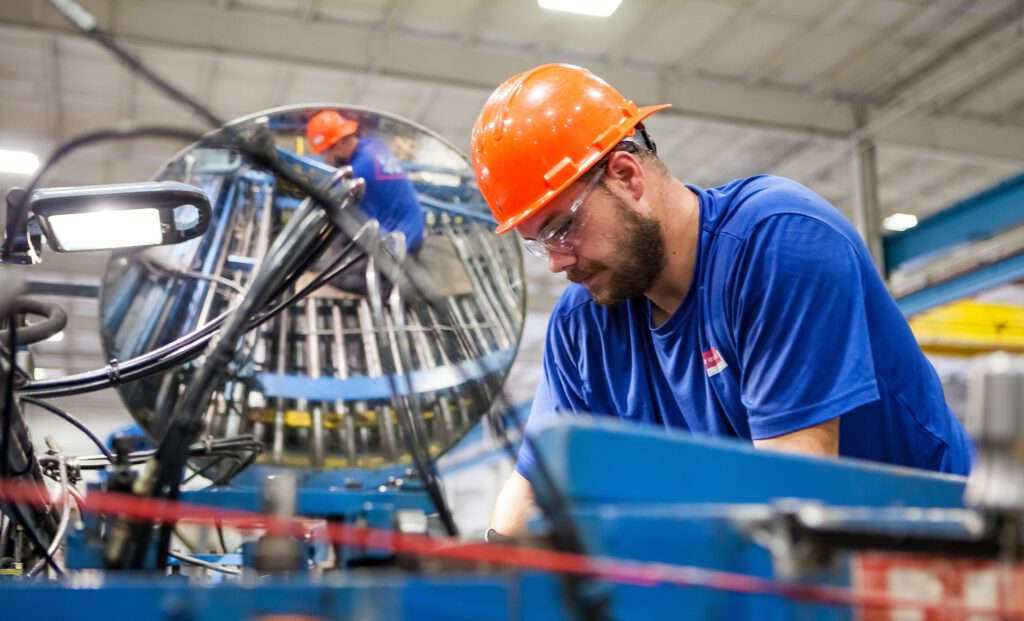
(321, 482)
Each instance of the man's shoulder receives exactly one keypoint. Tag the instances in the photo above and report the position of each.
(745, 204)
(574, 301)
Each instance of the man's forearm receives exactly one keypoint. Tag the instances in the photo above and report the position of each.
(513, 507)
(821, 440)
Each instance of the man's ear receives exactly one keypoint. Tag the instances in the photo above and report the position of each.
(625, 170)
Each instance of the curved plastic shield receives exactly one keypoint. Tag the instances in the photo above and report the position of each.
(322, 382)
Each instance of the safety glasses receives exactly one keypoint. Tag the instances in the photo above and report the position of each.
(561, 233)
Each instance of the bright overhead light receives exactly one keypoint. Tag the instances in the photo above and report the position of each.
(110, 228)
(18, 162)
(597, 8)
(56, 338)
(899, 222)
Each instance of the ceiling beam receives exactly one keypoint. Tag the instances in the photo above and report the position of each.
(424, 59)
(54, 95)
(822, 26)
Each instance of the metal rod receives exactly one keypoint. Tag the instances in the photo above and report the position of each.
(277, 445)
(316, 432)
(346, 429)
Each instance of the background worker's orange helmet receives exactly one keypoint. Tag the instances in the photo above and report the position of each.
(540, 131)
(326, 128)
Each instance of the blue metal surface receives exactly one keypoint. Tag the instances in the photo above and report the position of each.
(367, 388)
(472, 211)
(651, 465)
(979, 217)
(314, 502)
(381, 596)
(669, 499)
(698, 536)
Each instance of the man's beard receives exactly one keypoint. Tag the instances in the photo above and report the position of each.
(638, 263)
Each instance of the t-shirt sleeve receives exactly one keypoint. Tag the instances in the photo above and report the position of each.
(559, 391)
(800, 326)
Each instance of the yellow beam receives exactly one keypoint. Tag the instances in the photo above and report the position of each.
(969, 328)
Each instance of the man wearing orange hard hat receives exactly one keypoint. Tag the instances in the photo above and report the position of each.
(390, 196)
(752, 310)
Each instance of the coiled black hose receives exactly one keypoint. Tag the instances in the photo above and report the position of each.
(54, 320)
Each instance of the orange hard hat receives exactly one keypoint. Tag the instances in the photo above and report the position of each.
(540, 131)
(326, 128)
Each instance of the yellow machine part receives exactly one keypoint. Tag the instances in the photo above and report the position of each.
(970, 328)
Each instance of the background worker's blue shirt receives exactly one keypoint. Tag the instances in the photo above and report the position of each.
(787, 325)
(390, 196)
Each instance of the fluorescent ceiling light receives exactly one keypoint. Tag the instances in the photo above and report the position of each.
(899, 222)
(18, 162)
(597, 8)
(110, 228)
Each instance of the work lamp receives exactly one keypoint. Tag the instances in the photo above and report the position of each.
(123, 215)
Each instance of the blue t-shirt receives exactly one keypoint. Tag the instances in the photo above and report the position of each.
(390, 196)
(787, 325)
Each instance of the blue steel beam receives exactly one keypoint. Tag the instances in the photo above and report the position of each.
(977, 218)
(982, 279)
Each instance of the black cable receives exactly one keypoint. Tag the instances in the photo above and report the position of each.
(179, 351)
(8, 415)
(216, 462)
(74, 421)
(88, 25)
(16, 511)
(217, 448)
(220, 536)
(26, 377)
(54, 320)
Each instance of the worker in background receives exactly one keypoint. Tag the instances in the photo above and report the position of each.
(390, 196)
(752, 310)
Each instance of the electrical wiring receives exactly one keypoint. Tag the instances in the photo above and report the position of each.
(7, 423)
(217, 280)
(220, 536)
(179, 351)
(16, 512)
(214, 448)
(71, 419)
(21, 372)
(303, 233)
(188, 543)
(65, 517)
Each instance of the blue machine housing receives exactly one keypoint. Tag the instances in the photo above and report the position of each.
(633, 495)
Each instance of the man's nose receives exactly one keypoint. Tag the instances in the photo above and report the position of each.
(560, 260)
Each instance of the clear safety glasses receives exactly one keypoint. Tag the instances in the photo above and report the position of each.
(561, 233)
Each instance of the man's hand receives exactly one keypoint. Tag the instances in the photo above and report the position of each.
(513, 507)
(821, 440)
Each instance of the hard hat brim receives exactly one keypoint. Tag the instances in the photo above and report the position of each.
(590, 160)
